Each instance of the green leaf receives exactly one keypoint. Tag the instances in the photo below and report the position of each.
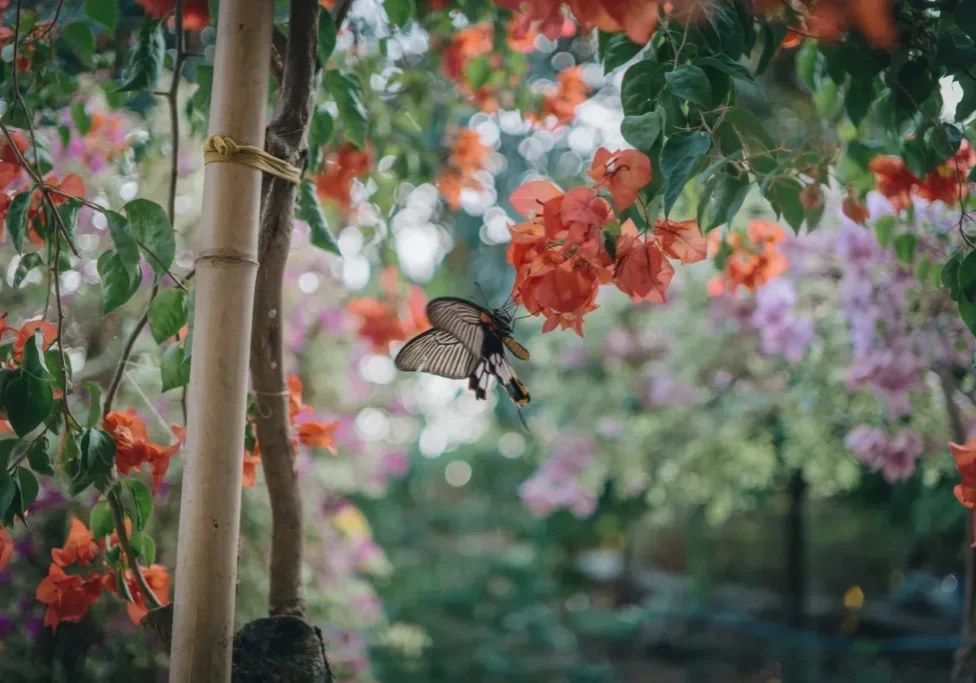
(308, 209)
(618, 51)
(17, 218)
(690, 83)
(399, 11)
(641, 85)
(125, 242)
(905, 248)
(807, 60)
(772, 38)
(642, 131)
(321, 130)
(967, 278)
(27, 402)
(145, 65)
(725, 200)
(728, 66)
(174, 367)
(784, 195)
(965, 16)
(95, 403)
(15, 116)
(884, 230)
(950, 276)
(346, 92)
(144, 546)
(680, 157)
(118, 285)
(944, 140)
(922, 269)
(26, 264)
(139, 503)
(39, 458)
(327, 37)
(167, 314)
(104, 12)
(100, 521)
(153, 232)
(97, 455)
(80, 40)
(33, 363)
(8, 491)
(80, 117)
(28, 489)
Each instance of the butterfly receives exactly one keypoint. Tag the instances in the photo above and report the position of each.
(467, 341)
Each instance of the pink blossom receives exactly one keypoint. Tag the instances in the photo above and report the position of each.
(894, 457)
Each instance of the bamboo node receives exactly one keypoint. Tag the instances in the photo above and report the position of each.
(221, 148)
(226, 257)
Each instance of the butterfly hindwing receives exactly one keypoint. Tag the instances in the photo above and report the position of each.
(438, 352)
(493, 363)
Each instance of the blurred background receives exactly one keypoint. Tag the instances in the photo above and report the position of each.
(740, 487)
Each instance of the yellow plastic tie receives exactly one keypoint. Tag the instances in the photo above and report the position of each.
(223, 149)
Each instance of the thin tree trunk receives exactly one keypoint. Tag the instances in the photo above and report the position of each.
(287, 139)
(203, 627)
(796, 566)
(964, 668)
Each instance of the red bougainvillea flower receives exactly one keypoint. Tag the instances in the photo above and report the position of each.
(80, 546)
(893, 179)
(49, 332)
(6, 548)
(295, 405)
(811, 196)
(751, 265)
(319, 434)
(642, 272)
(383, 321)
(9, 163)
(638, 18)
(467, 158)
(623, 173)
(965, 491)
(157, 578)
(334, 182)
(196, 13)
(854, 209)
(947, 182)
(251, 461)
(682, 240)
(570, 92)
(132, 447)
(67, 597)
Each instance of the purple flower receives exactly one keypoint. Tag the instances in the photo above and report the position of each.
(6, 624)
(555, 484)
(894, 457)
(662, 390)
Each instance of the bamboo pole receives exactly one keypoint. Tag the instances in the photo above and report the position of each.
(206, 575)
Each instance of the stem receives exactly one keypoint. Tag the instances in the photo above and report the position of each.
(118, 516)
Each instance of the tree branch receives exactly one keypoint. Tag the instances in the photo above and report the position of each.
(286, 139)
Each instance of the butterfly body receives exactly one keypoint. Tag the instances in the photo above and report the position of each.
(467, 341)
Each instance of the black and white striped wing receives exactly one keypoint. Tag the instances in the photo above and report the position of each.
(437, 352)
(462, 319)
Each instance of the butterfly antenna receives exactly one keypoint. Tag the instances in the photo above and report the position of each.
(484, 299)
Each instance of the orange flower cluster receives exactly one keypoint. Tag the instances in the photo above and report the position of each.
(965, 491)
(68, 596)
(391, 318)
(132, 447)
(196, 13)
(750, 265)
(638, 18)
(562, 253)
(334, 181)
(307, 432)
(6, 548)
(570, 92)
(467, 158)
(828, 20)
(946, 183)
(478, 40)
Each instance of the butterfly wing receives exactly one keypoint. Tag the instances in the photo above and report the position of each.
(437, 352)
(465, 320)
